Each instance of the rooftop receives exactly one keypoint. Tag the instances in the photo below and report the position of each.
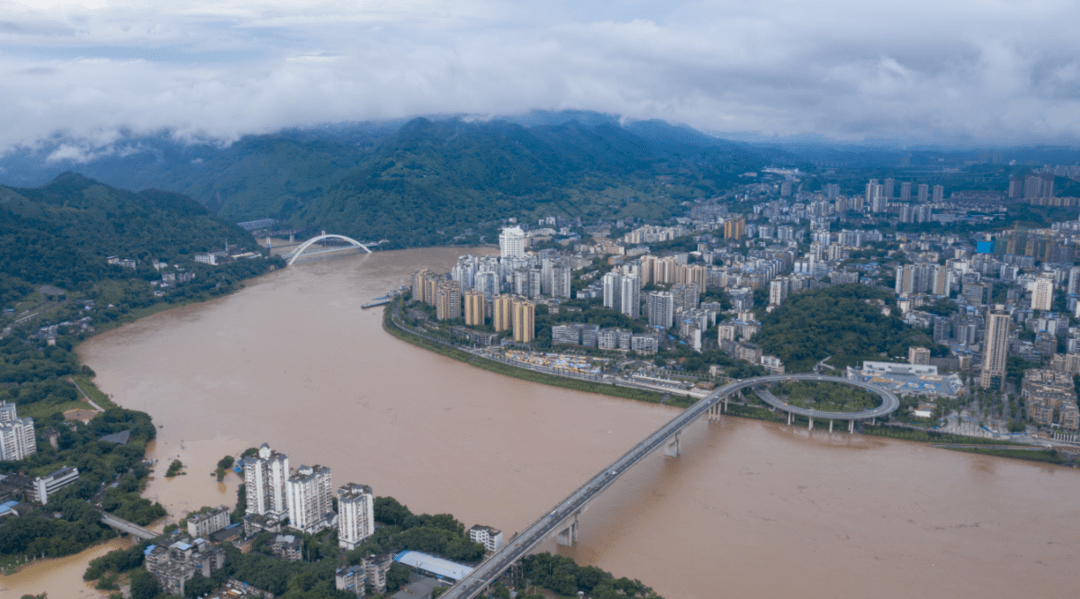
(435, 565)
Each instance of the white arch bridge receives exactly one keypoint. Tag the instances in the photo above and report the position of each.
(303, 247)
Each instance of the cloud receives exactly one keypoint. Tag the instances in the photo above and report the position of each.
(953, 72)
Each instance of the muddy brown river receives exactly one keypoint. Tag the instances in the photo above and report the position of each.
(749, 510)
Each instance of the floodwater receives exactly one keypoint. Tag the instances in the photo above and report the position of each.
(60, 577)
(749, 510)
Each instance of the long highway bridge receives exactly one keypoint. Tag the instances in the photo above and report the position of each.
(562, 520)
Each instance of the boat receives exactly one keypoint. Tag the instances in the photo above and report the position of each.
(379, 301)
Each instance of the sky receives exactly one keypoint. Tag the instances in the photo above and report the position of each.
(926, 71)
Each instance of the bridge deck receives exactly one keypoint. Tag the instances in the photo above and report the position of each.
(484, 574)
(128, 527)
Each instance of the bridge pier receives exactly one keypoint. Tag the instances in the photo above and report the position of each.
(851, 426)
(811, 427)
(830, 425)
(789, 418)
(568, 535)
(672, 448)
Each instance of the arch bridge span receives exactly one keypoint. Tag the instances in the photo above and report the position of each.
(292, 256)
(562, 521)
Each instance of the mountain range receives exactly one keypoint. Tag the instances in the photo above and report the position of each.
(429, 180)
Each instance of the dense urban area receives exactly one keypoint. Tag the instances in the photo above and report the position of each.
(962, 301)
(966, 306)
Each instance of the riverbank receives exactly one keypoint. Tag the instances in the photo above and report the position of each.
(1006, 449)
(295, 362)
(524, 374)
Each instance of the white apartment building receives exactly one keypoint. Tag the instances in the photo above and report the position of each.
(265, 475)
(660, 306)
(1042, 294)
(490, 538)
(512, 242)
(17, 439)
(207, 523)
(47, 485)
(630, 296)
(356, 515)
(309, 493)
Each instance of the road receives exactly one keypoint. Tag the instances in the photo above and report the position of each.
(85, 396)
(888, 406)
(554, 521)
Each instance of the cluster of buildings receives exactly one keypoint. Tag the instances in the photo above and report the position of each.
(1050, 398)
(304, 497)
(174, 564)
(985, 297)
(229, 253)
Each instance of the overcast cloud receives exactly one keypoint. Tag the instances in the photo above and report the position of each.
(927, 71)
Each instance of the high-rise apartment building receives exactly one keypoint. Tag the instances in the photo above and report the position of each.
(1042, 294)
(888, 188)
(871, 191)
(939, 193)
(664, 270)
(612, 283)
(474, 308)
(1074, 281)
(524, 320)
(17, 439)
(356, 515)
(735, 228)
(646, 270)
(265, 477)
(660, 308)
(630, 296)
(778, 290)
(687, 297)
(310, 499)
(919, 356)
(996, 348)
(912, 279)
(941, 282)
(421, 285)
(905, 191)
(502, 316)
(560, 281)
(512, 242)
(924, 193)
(447, 300)
(692, 273)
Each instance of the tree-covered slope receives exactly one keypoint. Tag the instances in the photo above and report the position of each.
(839, 322)
(434, 177)
(62, 232)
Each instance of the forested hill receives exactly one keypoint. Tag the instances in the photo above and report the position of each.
(358, 178)
(432, 178)
(61, 233)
